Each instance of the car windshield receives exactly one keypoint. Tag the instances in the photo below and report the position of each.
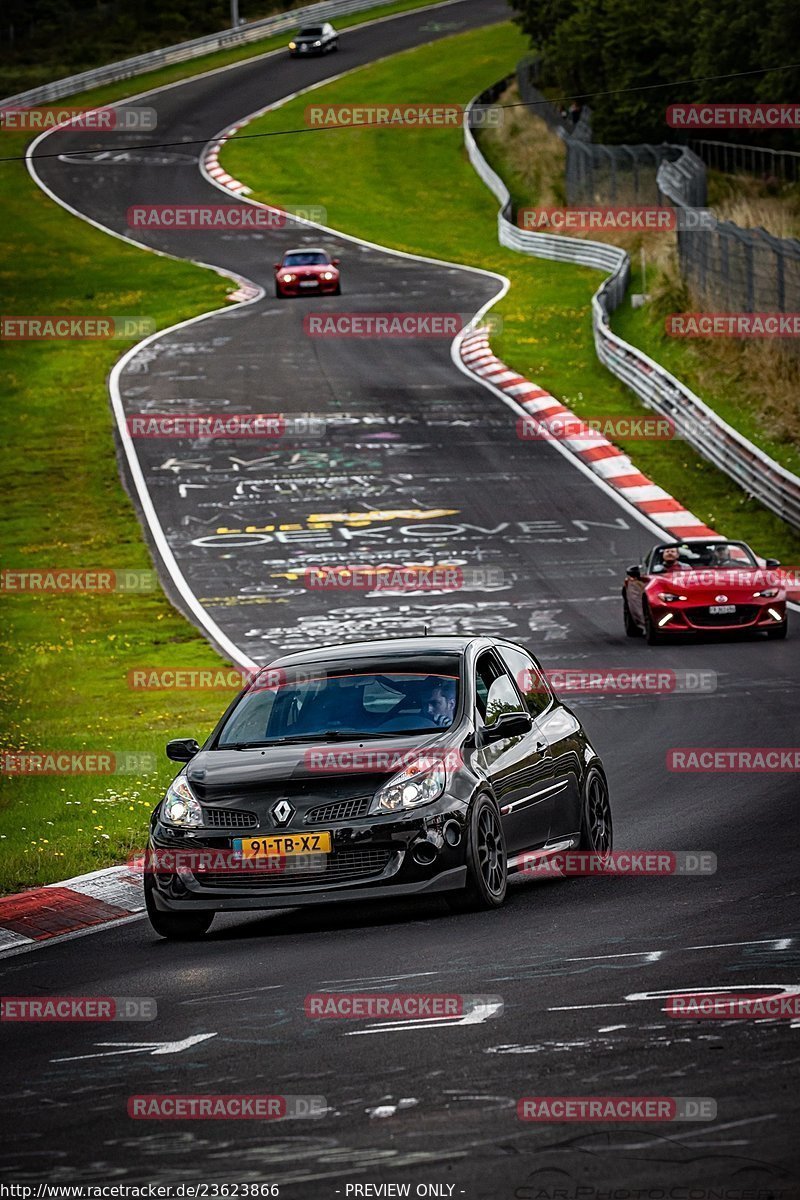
(711, 555)
(324, 701)
(314, 31)
(306, 258)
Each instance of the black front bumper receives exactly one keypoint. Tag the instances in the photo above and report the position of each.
(194, 901)
(383, 848)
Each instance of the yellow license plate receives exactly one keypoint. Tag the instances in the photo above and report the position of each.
(284, 845)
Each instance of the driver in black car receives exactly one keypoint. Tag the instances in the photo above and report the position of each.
(442, 703)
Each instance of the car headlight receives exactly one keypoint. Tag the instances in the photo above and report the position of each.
(768, 592)
(287, 278)
(328, 275)
(417, 784)
(317, 43)
(292, 45)
(180, 806)
(668, 597)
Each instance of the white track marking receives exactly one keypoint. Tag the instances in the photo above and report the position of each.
(153, 1048)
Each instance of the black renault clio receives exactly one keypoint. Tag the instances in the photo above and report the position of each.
(404, 767)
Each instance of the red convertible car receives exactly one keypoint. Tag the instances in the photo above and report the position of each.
(310, 270)
(703, 585)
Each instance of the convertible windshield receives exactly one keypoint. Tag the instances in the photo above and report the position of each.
(312, 702)
(711, 555)
(306, 258)
(312, 31)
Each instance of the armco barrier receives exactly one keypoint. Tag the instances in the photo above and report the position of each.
(252, 32)
(758, 474)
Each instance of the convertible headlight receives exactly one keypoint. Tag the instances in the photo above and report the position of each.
(180, 806)
(328, 275)
(292, 45)
(317, 43)
(768, 592)
(417, 784)
(287, 278)
(668, 597)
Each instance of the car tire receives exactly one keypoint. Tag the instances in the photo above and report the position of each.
(779, 632)
(279, 294)
(632, 630)
(338, 290)
(487, 869)
(175, 927)
(597, 827)
(651, 631)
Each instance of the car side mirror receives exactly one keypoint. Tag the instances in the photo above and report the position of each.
(509, 725)
(634, 572)
(277, 266)
(336, 261)
(772, 562)
(182, 749)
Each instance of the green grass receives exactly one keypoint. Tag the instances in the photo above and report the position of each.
(415, 190)
(65, 657)
(726, 376)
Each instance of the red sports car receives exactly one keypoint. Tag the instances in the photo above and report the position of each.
(311, 270)
(703, 585)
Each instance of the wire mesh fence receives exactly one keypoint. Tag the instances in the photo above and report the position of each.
(594, 173)
(728, 268)
(733, 157)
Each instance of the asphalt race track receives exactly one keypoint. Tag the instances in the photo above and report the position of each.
(580, 965)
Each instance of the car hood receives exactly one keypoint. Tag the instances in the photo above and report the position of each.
(308, 771)
(702, 584)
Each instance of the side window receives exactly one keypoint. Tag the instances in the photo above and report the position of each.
(528, 677)
(485, 673)
(495, 693)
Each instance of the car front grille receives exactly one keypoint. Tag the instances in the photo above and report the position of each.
(229, 818)
(745, 613)
(346, 866)
(340, 810)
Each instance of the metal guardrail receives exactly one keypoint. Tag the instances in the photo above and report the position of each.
(753, 160)
(753, 470)
(241, 36)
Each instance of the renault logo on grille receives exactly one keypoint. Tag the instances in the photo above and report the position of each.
(282, 812)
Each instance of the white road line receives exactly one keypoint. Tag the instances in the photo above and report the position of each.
(153, 1048)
